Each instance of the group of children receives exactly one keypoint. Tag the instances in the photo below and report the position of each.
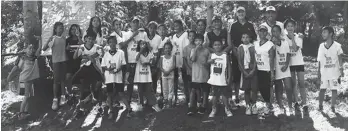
(204, 59)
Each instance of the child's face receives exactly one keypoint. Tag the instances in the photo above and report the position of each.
(73, 30)
(143, 45)
(276, 32)
(290, 27)
(217, 24)
(167, 49)
(29, 51)
(177, 28)
(217, 46)
(89, 40)
(112, 43)
(118, 25)
(162, 31)
(59, 30)
(198, 42)
(191, 37)
(263, 33)
(95, 22)
(152, 29)
(245, 39)
(201, 27)
(135, 25)
(325, 34)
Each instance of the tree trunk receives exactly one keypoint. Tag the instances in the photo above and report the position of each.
(210, 13)
(153, 12)
(345, 13)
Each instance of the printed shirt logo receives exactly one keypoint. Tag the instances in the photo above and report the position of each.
(217, 68)
(328, 62)
(282, 58)
(144, 70)
(259, 59)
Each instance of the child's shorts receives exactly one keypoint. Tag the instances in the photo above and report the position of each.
(222, 90)
(297, 68)
(330, 84)
(249, 83)
(117, 87)
(59, 71)
(26, 89)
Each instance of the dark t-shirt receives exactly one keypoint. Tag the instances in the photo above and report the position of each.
(71, 41)
(221, 37)
(237, 29)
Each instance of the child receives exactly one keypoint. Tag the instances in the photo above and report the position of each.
(265, 54)
(90, 72)
(220, 71)
(113, 64)
(58, 45)
(74, 40)
(167, 66)
(282, 72)
(330, 66)
(296, 62)
(187, 64)
(247, 65)
(29, 71)
(143, 75)
(162, 32)
(200, 76)
(155, 41)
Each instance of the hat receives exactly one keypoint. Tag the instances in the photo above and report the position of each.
(270, 8)
(136, 18)
(263, 27)
(152, 22)
(216, 18)
(240, 8)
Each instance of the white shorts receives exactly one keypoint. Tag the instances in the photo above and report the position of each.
(330, 84)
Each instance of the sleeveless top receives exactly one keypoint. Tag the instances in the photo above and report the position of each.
(221, 37)
(247, 57)
(262, 55)
(280, 60)
(58, 46)
(296, 56)
(143, 72)
(166, 65)
(218, 70)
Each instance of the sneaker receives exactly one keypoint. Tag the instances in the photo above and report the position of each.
(291, 111)
(283, 110)
(62, 100)
(305, 108)
(201, 110)
(254, 110)
(233, 105)
(320, 107)
(228, 112)
(248, 110)
(190, 111)
(212, 113)
(55, 104)
(156, 108)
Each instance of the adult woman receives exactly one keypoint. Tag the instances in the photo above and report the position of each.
(242, 25)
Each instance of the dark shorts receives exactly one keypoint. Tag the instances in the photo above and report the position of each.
(222, 90)
(264, 79)
(59, 72)
(131, 70)
(235, 70)
(204, 86)
(117, 87)
(89, 74)
(73, 65)
(297, 68)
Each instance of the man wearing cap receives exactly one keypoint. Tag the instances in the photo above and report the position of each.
(237, 28)
(132, 37)
(271, 17)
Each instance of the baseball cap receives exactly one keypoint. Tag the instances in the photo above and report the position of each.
(240, 8)
(136, 18)
(270, 8)
(263, 27)
(152, 22)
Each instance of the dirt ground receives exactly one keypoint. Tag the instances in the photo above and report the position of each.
(175, 119)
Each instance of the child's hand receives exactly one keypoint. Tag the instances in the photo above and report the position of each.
(300, 35)
(82, 48)
(284, 68)
(84, 60)
(50, 39)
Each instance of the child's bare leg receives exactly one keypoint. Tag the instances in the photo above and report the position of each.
(302, 88)
(193, 100)
(141, 93)
(294, 86)
(321, 96)
(206, 91)
(334, 97)
(216, 96)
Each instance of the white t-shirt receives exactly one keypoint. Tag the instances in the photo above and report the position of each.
(163, 42)
(155, 43)
(95, 49)
(178, 47)
(218, 70)
(329, 63)
(132, 45)
(280, 60)
(262, 55)
(99, 39)
(118, 37)
(269, 28)
(143, 72)
(296, 56)
(116, 60)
